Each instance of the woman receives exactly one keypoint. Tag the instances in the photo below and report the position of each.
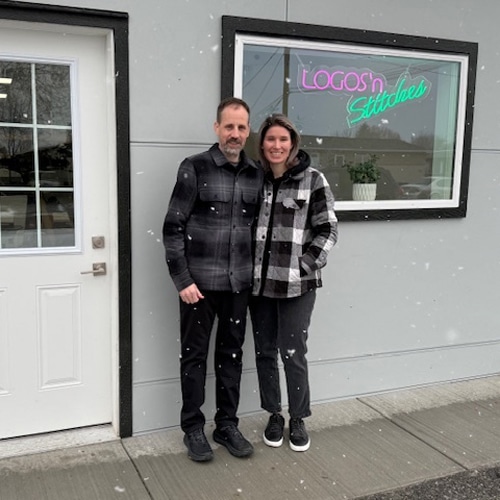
(296, 229)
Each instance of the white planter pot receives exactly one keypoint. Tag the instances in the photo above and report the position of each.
(364, 192)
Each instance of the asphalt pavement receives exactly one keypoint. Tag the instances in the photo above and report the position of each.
(439, 442)
(469, 485)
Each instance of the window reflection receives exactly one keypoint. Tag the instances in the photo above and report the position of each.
(55, 158)
(31, 220)
(53, 98)
(17, 159)
(349, 105)
(36, 157)
(17, 106)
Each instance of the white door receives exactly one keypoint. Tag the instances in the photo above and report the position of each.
(57, 221)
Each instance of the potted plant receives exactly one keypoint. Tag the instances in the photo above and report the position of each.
(364, 176)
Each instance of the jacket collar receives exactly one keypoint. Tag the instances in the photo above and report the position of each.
(220, 159)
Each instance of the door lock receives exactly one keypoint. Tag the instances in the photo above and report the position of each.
(98, 242)
(98, 269)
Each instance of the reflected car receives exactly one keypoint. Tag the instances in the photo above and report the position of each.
(6, 216)
(435, 188)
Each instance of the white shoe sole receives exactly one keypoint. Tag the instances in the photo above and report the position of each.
(304, 447)
(272, 444)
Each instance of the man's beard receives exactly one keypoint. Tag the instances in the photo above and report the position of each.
(232, 149)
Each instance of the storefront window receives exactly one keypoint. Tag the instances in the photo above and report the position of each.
(408, 110)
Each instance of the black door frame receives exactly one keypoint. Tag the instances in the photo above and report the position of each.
(118, 23)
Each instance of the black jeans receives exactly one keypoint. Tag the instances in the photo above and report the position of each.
(197, 321)
(282, 324)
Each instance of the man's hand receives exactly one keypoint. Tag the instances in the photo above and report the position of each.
(191, 294)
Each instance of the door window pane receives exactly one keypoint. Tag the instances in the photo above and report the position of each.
(53, 98)
(17, 158)
(36, 157)
(16, 105)
(55, 157)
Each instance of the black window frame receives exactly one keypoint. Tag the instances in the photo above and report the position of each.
(232, 27)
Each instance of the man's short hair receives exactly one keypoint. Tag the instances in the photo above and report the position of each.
(231, 101)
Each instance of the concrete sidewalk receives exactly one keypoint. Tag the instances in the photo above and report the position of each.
(360, 447)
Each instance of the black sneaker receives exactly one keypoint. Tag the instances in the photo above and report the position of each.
(233, 440)
(273, 435)
(198, 448)
(299, 440)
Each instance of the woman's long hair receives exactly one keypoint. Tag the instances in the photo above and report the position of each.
(282, 121)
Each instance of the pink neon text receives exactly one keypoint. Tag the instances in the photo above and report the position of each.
(341, 81)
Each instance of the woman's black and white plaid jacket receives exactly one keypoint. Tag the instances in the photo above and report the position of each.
(290, 254)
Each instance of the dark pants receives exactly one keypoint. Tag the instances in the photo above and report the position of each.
(282, 324)
(197, 321)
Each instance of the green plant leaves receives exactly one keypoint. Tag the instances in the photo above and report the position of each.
(365, 172)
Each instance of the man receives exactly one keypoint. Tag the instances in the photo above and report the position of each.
(207, 235)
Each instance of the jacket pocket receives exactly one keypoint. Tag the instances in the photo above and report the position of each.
(293, 203)
(216, 196)
(214, 207)
(250, 198)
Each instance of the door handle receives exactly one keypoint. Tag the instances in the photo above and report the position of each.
(98, 269)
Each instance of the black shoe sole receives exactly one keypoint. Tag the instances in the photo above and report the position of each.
(234, 451)
(206, 457)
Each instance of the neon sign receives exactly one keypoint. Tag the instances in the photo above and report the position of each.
(340, 80)
(405, 90)
(369, 93)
